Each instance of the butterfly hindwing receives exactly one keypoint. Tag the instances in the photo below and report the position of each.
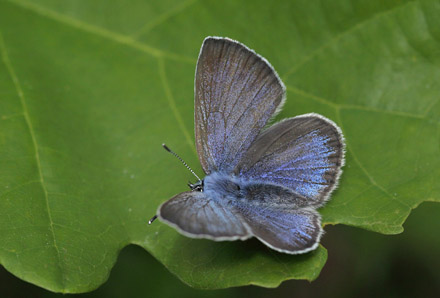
(304, 154)
(236, 93)
(279, 217)
(290, 231)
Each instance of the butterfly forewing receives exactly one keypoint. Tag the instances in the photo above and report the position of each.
(236, 93)
(196, 215)
(303, 153)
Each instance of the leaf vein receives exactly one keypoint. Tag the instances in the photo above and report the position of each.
(172, 103)
(110, 35)
(363, 169)
(351, 107)
(339, 36)
(163, 17)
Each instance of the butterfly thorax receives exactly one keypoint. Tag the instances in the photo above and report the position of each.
(221, 186)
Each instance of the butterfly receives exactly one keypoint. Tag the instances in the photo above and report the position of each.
(263, 182)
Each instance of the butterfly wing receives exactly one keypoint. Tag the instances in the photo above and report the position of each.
(291, 231)
(236, 93)
(195, 215)
(279, 218)
(304, 154)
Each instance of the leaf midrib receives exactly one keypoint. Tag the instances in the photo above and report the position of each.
(20, 94)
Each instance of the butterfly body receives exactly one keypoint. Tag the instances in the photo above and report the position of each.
(260, 182)
(228, 190)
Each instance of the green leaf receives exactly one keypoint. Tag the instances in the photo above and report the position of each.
(89, 90)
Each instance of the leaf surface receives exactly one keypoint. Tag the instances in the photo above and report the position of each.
(89, 90)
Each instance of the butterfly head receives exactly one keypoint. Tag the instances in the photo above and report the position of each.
(198, 186)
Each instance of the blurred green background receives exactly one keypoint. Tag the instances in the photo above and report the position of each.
(360, 264)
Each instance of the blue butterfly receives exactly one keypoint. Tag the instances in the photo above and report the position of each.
(260, 182)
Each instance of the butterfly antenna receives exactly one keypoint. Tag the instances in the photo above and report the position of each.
(184, 163)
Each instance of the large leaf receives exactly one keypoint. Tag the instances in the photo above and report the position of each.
(90, 89)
